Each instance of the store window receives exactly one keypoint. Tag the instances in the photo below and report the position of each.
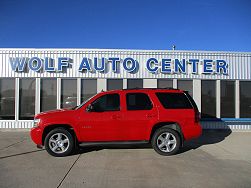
(7, 99)
(245, 99)
(113, 84)
(27, 98)
(208, 99)
(186, 85)
(227, 99)
(134, 83)
(165, 83)
(88, 88)
(68, 93)
(48, 94)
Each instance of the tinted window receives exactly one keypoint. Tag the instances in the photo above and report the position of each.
(174, 100)
(138, 101)
(227, 99)
(88, 88)
(110, 102)
(113, 84)
(134, 83)
(7, 98)
(165, 83)
(208, 99)
(68, 93)
(245, 99)
(48, 94)
(186, 85)
(27, 98)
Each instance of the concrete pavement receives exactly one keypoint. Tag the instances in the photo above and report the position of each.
(217, 159)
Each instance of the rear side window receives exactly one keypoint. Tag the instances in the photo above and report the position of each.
(174, 100)
(138, 101)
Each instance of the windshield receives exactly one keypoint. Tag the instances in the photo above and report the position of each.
(83, 103)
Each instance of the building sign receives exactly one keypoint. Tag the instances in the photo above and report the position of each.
(115, 64)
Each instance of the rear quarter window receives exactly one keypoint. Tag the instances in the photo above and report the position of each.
(174, 100)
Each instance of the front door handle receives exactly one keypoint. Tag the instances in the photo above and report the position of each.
(151, 115)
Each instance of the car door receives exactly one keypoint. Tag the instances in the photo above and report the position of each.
(139, 115)
(100, 121)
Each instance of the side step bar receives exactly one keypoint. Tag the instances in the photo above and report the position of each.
(113, 143)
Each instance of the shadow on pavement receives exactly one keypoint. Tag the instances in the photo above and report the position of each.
(207, 137)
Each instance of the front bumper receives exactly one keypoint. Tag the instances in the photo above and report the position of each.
(36, 135)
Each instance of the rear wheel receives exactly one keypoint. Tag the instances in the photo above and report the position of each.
(59, 142)
(166, 141)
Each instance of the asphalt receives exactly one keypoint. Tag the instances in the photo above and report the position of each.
(216, 159)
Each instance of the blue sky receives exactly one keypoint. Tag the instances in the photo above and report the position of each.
(223, 25)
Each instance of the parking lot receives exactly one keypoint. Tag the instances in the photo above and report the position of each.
(216, 159)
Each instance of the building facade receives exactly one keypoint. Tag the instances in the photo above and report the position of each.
(38, 80)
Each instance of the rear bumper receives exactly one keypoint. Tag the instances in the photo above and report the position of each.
(36, 135)
(192, 132)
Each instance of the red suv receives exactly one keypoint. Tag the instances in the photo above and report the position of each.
(163, 117)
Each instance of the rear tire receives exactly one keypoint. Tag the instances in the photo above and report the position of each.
(166, 141)
(59, 142)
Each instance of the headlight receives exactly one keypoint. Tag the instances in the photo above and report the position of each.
(36, 122)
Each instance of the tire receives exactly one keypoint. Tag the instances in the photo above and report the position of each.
(59, 142)
(166, 141)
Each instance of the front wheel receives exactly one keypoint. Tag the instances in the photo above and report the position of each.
(166, 141)
(59, 142)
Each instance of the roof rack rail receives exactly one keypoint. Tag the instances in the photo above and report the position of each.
(168, 88)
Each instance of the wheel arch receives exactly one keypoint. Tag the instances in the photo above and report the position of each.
(171, 125)
(49, 128)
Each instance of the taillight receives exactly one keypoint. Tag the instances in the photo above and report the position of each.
(197, 115)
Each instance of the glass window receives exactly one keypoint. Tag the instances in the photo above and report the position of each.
(113, 84)
(68, 93)
(165, 83)
(48, 94)
(88, 88)
(138, 101)
(227, 99)
(109, 102)
(186, 85)
(134, 83)
(27, 98)
(174, 100)
(208, 99)
(245, 99)
(7, 98)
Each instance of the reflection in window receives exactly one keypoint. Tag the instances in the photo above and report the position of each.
(208, 99)
(186, 85)
(134, 83)
(27, 98)
(113, 84)
(227, 99)
(165, 83)
(88, 88)
(7, 98)
(245, 99)
(48, 94)
(68, 93)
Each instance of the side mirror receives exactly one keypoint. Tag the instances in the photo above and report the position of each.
(90, 108)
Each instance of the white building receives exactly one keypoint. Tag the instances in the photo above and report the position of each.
(36, 80)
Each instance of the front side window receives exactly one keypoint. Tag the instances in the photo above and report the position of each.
(174, 100)
(138, 101)
(27, 98)
(109, 102)
(7, 98)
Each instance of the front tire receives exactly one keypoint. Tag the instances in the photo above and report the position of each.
(59, 142)
(166, 141)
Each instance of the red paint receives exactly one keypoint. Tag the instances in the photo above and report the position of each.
(120, 125)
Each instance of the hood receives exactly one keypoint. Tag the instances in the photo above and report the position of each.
(52, 112)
